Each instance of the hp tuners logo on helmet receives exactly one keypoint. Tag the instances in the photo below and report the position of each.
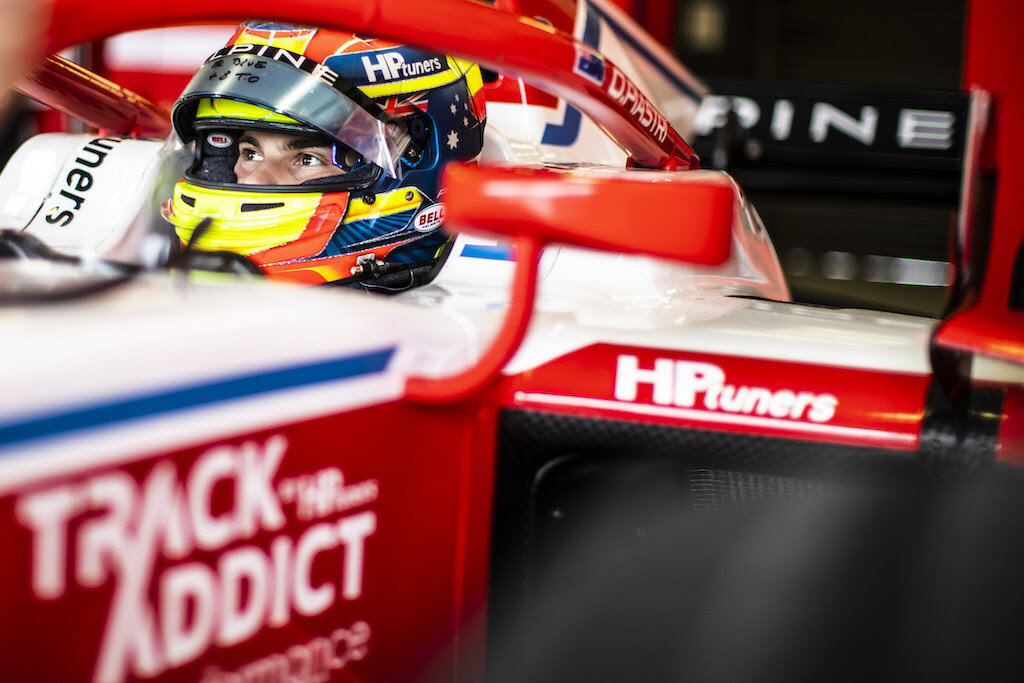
(693, 384)
(391, 66)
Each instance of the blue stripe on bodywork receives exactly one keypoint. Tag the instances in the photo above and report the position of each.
(240, 386)
(565, 133)
(635, 44)
(497, 252)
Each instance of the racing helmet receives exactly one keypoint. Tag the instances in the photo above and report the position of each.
(391, 117)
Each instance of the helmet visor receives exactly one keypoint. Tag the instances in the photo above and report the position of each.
(319, 97)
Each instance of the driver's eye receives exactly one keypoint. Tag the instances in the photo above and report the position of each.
(310, 160)
(249, 154)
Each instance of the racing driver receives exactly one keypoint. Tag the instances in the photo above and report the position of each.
(317, 154)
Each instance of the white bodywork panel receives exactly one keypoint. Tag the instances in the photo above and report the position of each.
(88, 195)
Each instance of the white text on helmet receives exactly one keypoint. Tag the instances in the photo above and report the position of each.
(392, 65)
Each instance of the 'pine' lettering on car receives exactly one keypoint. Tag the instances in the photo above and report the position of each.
(681, 383)
(141, 538)
(80, 180)
(914, 128)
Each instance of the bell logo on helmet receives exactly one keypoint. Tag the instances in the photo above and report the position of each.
(429, 218)
(219, 140)
(392, 65)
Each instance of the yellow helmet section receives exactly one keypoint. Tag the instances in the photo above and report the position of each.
(247, 223)
(386, 204)
(224, 108)
(267, 220)
(456, 69)
(474, 79)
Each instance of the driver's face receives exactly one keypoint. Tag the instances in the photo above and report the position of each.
(266, 158)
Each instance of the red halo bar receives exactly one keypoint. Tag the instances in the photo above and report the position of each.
(101, 103)
(527, 48)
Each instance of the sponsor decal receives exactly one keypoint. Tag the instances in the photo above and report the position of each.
(904, 130)
(430, 218)
(623, 91)
(742, 394)
(315, 660)
(911, 128)
(79, 181)
(205, 557)
(391, 66)
(219, 140)
(702, 385)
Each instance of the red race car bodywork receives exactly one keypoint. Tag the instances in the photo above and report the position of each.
(251, 482)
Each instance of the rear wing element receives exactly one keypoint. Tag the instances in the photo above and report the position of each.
(987, 313)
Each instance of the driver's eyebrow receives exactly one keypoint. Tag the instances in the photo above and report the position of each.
(307, 143)
(248, 139)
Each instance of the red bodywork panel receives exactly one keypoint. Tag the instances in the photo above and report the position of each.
(1011, 433)
(356, 545)
(353, 545)
(745, 395)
